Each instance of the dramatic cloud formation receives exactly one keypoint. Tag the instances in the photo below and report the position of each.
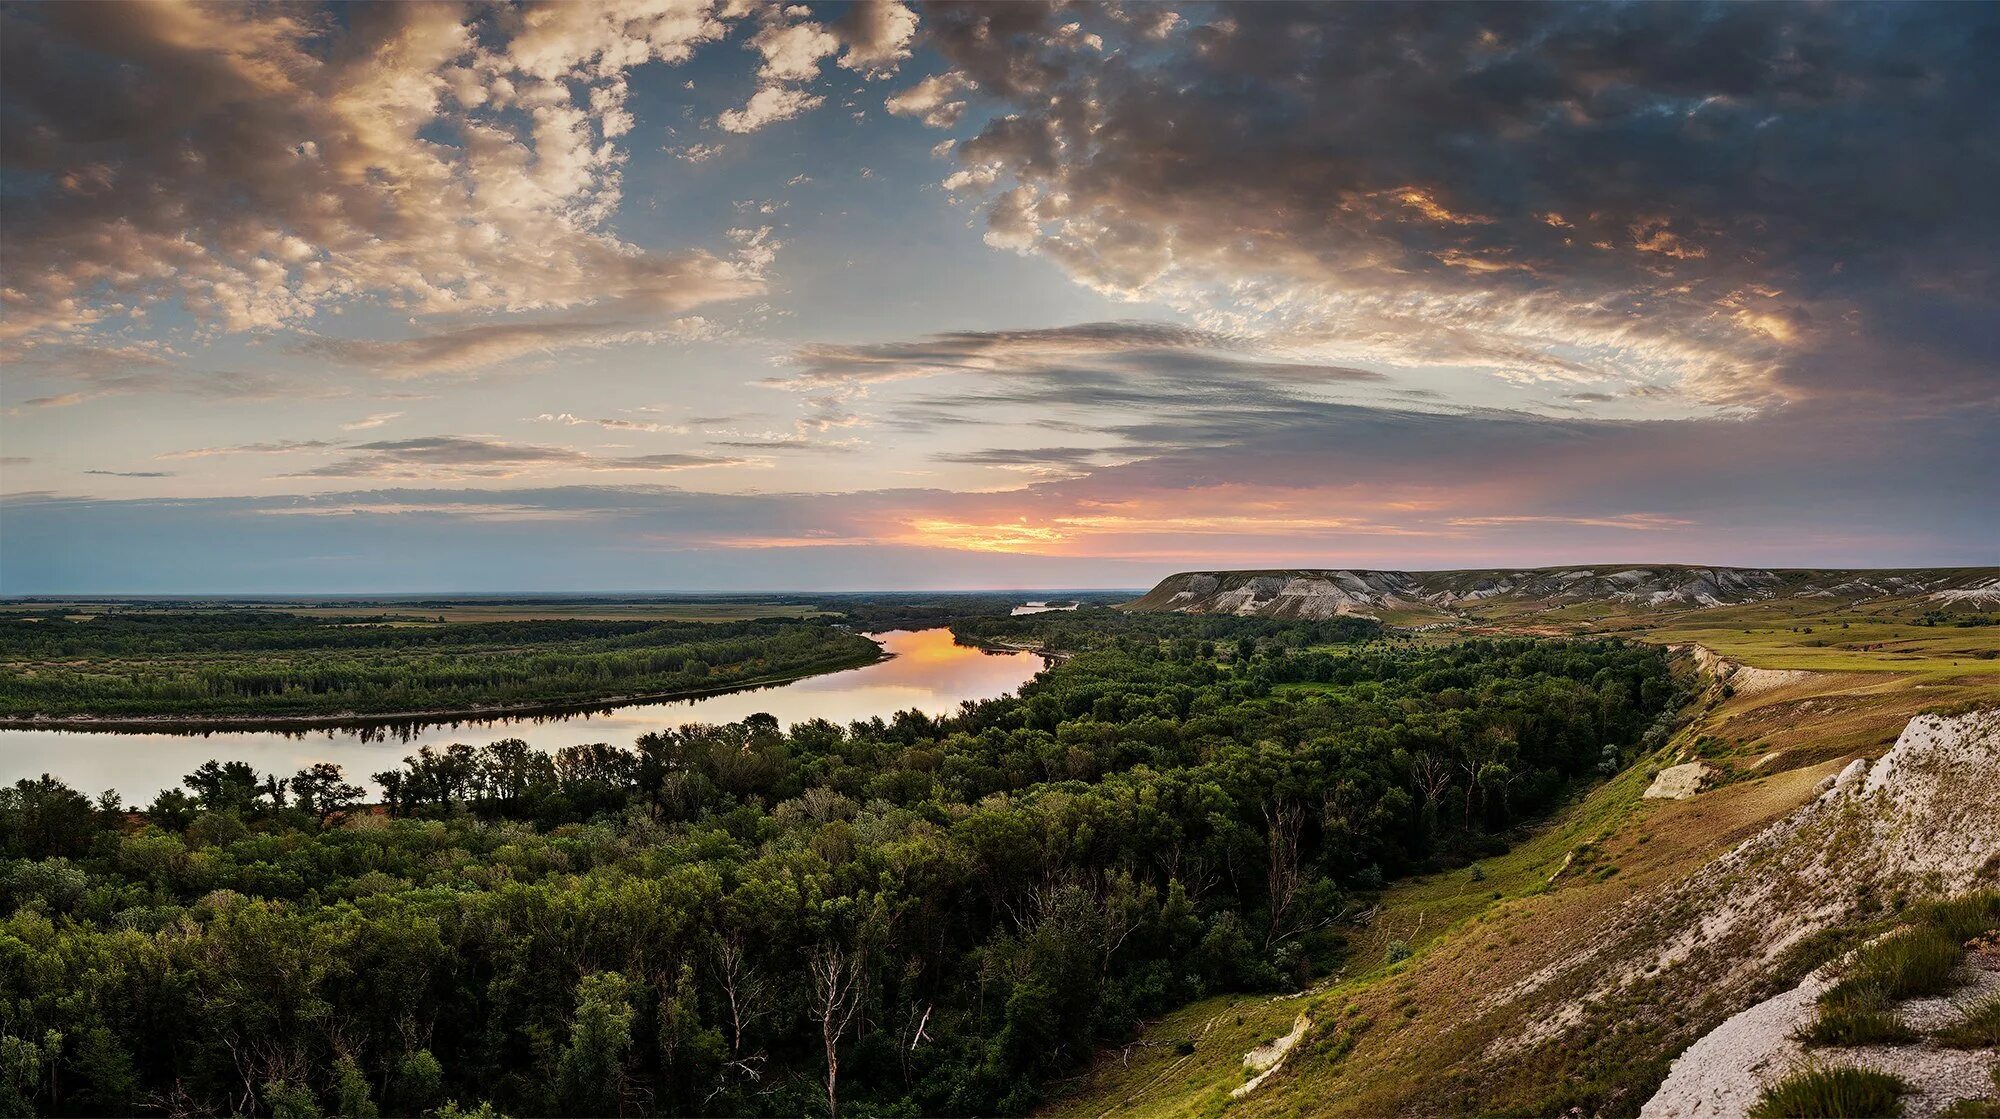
(872, 36)
(1752, 202)
(259, 165)
(1043, 293)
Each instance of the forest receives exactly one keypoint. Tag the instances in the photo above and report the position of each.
(907, 916)
(258, 662)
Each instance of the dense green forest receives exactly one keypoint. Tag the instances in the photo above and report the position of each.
(261, 662)
(1195, 635)
(899, 917)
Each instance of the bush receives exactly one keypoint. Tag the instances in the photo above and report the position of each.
(1979, 1029)
(1832, 1092)
(1963, 918)
(1908, 964)
(1859, 1018)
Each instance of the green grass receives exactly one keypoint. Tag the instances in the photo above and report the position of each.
(1911, 963)
(1904, 965)
(1979, 1029)
(1964, 917)
(1832, 1092)
(1858, 1019)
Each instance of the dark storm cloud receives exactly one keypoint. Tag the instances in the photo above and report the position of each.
(1763, 201)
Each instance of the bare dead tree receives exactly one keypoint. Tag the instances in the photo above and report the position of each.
(1433, 776)
(1283, 876)
(745, 991)
(836, 998)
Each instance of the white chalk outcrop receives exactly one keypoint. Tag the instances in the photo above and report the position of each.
(1331, 592)
(1721, 1076)
(1678, 782)
(1269, 1057)
(1924, 819)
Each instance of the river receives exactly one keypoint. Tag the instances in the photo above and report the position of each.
(925, 670)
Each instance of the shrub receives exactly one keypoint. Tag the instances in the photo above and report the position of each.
(1908, 964)
(1832, 1092)
(1979, 1029)
(1965, 917)
(1858, 1018)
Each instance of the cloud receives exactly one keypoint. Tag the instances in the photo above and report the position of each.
(1058, 376)
(282, 447)
(871, 37)
(1043, 462)
(470, 348)
(132, 473)
(767, 106)
(93, 371)
(451, 456)
(1319, 485)
(570, 420)
(792, 51)
(934, 100)
(260, 165)
(1000, 351)
(1751, 203)
(375, 420)
(876, 35)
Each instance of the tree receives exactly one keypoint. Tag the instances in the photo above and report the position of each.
(590, 1075)
(1283, 872)
(745, 993)
(45, 818)
(836, 996)
(419, 1083)
(350, 1090)
(323, 790)
(225, 786)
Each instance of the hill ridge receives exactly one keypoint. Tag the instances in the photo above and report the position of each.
(1317, 593)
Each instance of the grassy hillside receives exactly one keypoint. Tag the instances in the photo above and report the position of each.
(1412, 1024)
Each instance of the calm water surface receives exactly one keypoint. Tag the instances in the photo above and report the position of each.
(926, 671)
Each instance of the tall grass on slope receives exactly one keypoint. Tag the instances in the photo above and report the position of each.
(1832, 1092)
(1905, 965)
(1914, 962)
(1964, 917)
(1857, 1018)
(1979, 1029)
(1857, 1010)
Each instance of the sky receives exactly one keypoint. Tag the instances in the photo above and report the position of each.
(669, 295)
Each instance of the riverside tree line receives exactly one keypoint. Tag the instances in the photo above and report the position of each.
(898, 917)
(258, 662)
